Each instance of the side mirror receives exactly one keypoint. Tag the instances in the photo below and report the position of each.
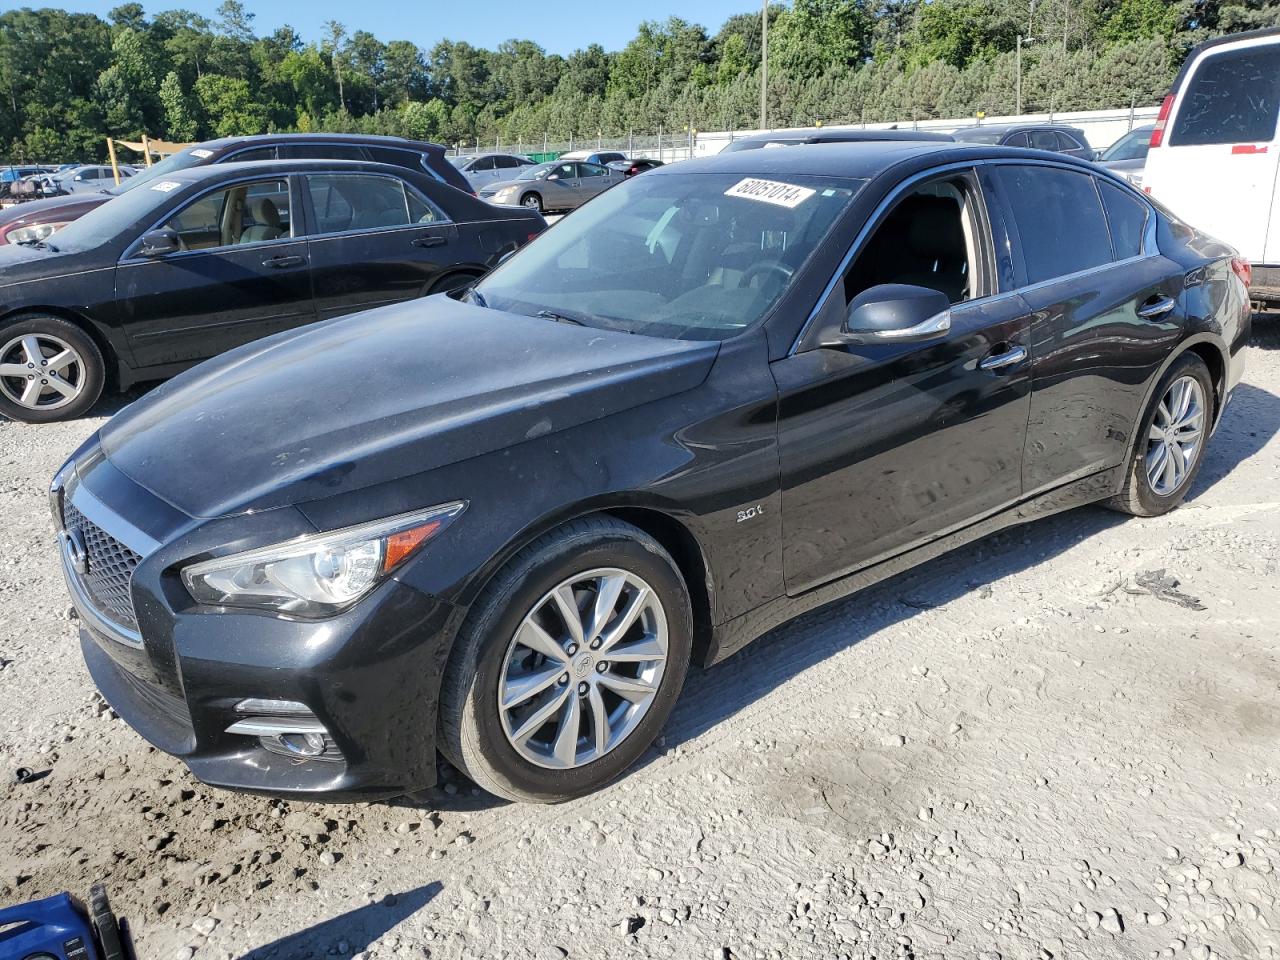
(896, 313)
(159, 243)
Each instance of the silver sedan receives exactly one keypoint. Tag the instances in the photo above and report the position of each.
(558, 185)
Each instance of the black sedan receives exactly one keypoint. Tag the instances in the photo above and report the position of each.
(503, 522)
(212, 257)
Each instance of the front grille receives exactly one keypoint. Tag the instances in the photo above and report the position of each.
(110, 568)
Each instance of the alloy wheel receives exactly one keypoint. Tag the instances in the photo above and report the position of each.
(40, 371)
(1176, 435)
(583, 668)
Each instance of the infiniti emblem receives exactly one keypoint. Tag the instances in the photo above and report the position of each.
(582, 666)
(76, 551)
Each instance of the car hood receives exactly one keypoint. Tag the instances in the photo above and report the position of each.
(376, 396)
(489, 189)
(71, 206)
(20, 263)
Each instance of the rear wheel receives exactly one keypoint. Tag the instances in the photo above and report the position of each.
(569, 664)
(50, 369)
(533, 201)
(1171, 441)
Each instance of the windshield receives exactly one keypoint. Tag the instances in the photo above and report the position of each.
(190, 157)
(460, 161)
(685, 256)
(1132, 146)
(105, 223)
(979, 135)
(537, 172)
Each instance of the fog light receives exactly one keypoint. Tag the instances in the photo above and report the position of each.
(289, 729)
(308, 745)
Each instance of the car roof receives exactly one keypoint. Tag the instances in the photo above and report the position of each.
(855, 160)
(353, 138)
(1015, 127)
(239, 168)
(841, 135)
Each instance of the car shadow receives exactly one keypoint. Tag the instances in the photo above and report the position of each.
(360, 927)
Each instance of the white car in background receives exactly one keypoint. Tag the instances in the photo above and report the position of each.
(1215, 150)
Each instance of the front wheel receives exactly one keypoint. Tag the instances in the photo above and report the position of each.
(1171, 441)
(569, 664)
(50, 369)
(532, 201)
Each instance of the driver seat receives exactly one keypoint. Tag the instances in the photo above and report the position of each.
(267, 225)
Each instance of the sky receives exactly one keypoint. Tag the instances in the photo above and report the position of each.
(559, 27)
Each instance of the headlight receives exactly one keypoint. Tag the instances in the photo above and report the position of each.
(319, 575)
(33, 234)
(504, 193)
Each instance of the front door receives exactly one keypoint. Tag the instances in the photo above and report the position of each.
(885, 446)
(375, 241)
(241, 274)
(594, 180)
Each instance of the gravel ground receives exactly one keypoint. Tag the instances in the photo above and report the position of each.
(1040, 746)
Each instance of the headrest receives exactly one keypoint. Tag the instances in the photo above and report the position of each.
(264, 212)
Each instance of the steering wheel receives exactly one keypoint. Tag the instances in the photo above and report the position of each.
(764, 267)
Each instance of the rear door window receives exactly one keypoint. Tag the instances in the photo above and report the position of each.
(1067, 142)
(358, 201)
(1016, 140)
(1128, 218)
(322, 151)
(1232, 97)
(1044, 140)
(1059, 219)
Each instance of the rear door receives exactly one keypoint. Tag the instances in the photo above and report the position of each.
(374, 240)
(1216, 168)
(241, 274)
(1105, 309)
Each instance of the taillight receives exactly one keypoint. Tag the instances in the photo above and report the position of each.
(1242, 269)
(1157, 134)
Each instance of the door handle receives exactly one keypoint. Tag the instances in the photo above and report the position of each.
(430, 241)
(281, 262)
(1156, 307)
(1001, 360)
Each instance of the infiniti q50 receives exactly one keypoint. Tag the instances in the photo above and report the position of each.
(501, 523)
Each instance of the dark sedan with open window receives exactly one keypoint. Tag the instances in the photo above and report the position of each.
(501, 523)
(212, 257)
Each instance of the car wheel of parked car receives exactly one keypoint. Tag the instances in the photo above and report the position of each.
(533, 201)
(50, 369)
(1171, 441)
(569, 663)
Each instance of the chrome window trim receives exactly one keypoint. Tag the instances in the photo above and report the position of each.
(130, 254)
(364, 231)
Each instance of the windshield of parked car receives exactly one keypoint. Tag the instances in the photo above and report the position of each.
(687, 256)
(460, 162)
(190, 157)
(1132, 146)
(106, 222)
(537, 172)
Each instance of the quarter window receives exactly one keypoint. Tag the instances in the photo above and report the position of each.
(1059, 219)
(345, 202)
(1044, 140)
(1233, 97)
(1128, 218)
(245, 213)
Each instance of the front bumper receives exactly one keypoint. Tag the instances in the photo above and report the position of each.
(370, 675)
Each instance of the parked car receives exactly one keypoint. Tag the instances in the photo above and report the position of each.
(1055, 137)
(88, 178)
(557, 186)
(503, 522)
(1215, 153)
(629, 168)
(10, 175)
(803, 135)
(41, 218)
(211, 257)
(483, 169)
(598, 157)
(1128, 156)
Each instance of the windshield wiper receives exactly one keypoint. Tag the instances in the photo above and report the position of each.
(476, 297)
(559, 317)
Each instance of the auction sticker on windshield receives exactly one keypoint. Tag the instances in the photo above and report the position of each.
(164, 186)
(770, 191)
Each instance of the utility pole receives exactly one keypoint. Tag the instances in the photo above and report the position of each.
(1017, 83)
(764, 65)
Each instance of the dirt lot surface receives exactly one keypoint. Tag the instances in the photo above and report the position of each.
(1063, 741)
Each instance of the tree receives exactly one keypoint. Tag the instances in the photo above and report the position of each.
(179, 115)
(337, 33)
(229, 106)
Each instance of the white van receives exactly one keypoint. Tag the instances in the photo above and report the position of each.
(1215, 150)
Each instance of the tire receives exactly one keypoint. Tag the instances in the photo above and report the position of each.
(533, 201)
(85, 373)
(1140, 496)
(475, 734)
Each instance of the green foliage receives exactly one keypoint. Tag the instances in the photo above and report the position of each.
(68, 81)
